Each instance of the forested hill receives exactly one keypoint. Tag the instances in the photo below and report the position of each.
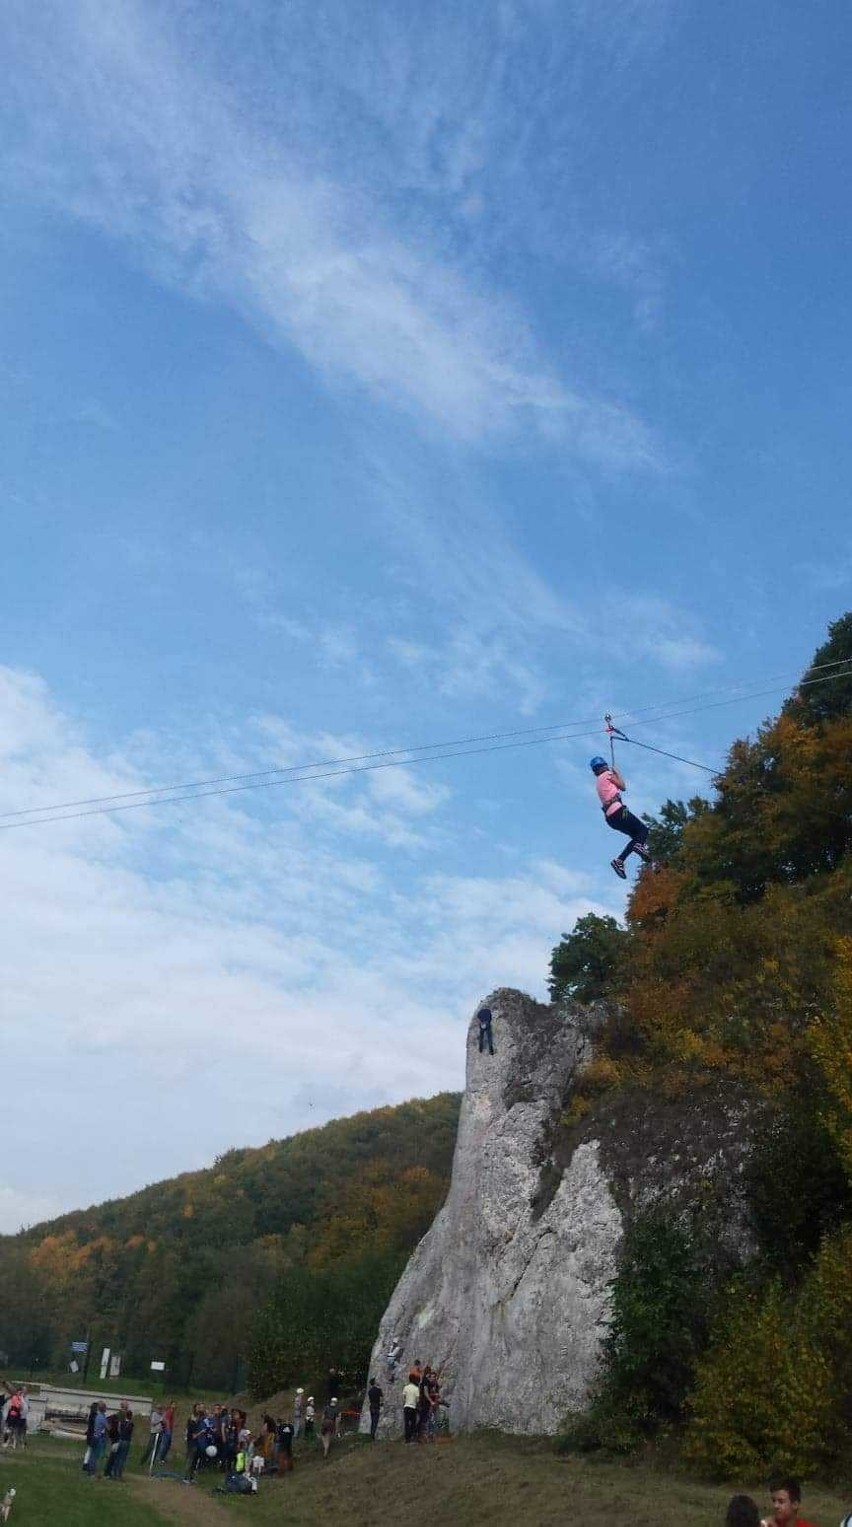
(180, 1270)
(732, 977)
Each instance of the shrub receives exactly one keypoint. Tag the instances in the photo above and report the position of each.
(773, 1389)
(656, 1329)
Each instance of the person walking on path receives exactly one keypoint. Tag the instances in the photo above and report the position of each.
(375, 1396)
(609, 785)
(485, 1036)
(410, 1402)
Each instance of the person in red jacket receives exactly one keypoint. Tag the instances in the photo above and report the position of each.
(786, 1500)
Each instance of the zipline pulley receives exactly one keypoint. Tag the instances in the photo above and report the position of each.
(613, 732)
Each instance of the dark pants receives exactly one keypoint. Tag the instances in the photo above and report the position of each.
(624, 821)
(409, 1416)
(117, 1460)
(96, 1453)
(485, 1035)
(374, 1422)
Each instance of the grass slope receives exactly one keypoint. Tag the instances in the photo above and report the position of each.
(472, 1480)
(465, 1482)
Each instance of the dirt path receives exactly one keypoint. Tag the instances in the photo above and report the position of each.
(177, 1502)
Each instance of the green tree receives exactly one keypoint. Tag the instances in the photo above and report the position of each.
(825, 694)
(587, 962)
(656, 1331)
(667, 828)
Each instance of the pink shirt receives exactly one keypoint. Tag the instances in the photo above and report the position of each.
(608, 792)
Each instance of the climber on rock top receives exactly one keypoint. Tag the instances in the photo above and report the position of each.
(485, 1036)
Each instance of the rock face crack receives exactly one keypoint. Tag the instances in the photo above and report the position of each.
(530, 1259)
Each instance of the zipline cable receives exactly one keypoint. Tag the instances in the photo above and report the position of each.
(615, 731)
(35, 816)
(662, 710)
(649, 747)
(393, 763)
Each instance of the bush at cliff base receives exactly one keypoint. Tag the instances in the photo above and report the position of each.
(774, 1388)
(656, 1327)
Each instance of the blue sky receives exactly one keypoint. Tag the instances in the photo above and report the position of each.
(372, 376)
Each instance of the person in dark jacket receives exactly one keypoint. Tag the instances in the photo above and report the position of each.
(485, 1036)
(375, 1396)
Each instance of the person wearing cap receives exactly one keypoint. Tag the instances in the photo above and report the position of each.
(297, 1413)
(609, 785)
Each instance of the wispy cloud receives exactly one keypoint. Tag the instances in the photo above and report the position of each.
(661, 630)
(184, 170)
(333, 978)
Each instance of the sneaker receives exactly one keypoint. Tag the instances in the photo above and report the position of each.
(619, 869)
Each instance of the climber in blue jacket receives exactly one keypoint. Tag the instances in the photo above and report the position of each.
(485, 1036)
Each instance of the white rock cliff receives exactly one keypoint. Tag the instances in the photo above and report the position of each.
(508, 1292)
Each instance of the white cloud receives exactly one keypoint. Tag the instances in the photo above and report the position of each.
(656, 628)
(18, 1209)
(192, 177)
(186, 979)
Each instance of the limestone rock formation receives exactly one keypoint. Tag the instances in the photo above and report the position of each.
(508, 1292)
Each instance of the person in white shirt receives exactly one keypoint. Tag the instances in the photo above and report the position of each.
(410, 1402)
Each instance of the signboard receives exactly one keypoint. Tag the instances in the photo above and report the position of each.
(104, 1362)
(80, 1347)
(73, 1367)
(115, 1365)
(157, 1367)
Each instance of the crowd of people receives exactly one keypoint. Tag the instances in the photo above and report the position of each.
(421, 1403)
(421, 1395)
(108, 1436)
(218, 1437)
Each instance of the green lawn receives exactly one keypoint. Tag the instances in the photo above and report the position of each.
(460, 1483)
(52, 1491)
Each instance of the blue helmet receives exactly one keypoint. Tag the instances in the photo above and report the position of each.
(598, 763)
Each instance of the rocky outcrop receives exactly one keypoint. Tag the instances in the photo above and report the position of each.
(508, 1293)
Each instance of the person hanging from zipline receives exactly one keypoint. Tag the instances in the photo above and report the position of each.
(609, 785)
